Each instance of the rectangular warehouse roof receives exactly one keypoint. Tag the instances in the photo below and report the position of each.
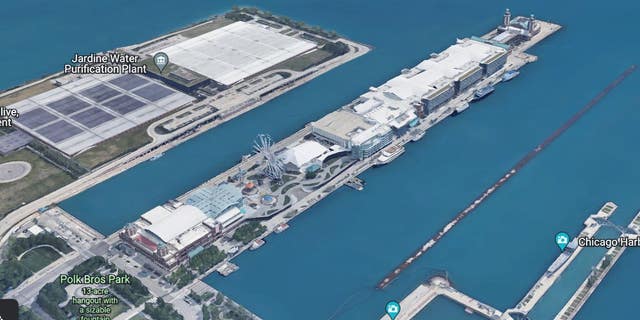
(236, 51)
(13, 141)
(392, 105)
(82, 113)
(432, 76)
(343, 124)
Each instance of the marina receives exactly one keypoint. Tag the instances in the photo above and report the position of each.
(569, 176)
(436, 286)
(370, 131)
(588, 287)
(515, 169)
(538, 78)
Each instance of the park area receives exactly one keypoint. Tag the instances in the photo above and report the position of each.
(43, 179)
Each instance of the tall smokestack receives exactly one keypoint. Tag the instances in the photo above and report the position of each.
(507, 18)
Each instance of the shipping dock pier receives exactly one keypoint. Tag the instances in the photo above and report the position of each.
(575, 303)
(417, 300)
(423, 295)
(555, 271)
(519, 165)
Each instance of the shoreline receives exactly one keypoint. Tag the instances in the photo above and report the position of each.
(161, 143)
(516, 59)
(418, 299)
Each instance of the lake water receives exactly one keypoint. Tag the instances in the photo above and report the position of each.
(326, 265)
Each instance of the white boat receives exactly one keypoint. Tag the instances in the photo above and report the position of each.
(510, 75)
(156, 157)
(389, 154)
(417, 135)
(461, 108)
(281, 228)
(227, 268)
(355, 183)
(255, 244)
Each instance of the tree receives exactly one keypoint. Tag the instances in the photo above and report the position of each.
(249, 231)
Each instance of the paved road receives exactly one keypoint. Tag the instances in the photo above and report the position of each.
(27, 292)
(128, 161)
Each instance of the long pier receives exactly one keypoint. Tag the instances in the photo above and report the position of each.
(423, 295)
(573, 306)
(548, 278)
(517, 167)
(417, 300)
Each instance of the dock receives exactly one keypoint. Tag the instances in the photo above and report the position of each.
(540, 288)
(424, 294)
(355, 183)
(227, 268)
(508, 175)
(596, 276)
(417, 300)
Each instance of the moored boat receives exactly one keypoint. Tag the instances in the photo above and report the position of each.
(510, 75)
(389, 154)
(483, 92)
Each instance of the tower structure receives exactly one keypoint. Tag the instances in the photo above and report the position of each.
(263, 146)
(532, 20)
(506, 20)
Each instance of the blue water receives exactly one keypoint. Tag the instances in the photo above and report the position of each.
(327, 263)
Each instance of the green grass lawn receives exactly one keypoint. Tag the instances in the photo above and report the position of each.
(139, 316)
(112, 148)
(43, 179)
(171, 68)
(214, 24)
(119, 308)
(39, 258)
(305, 61)
(26, 93)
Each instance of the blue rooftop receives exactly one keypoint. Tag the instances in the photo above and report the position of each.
(215, 200)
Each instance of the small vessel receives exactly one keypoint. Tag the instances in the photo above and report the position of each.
(483, 92)
(417, 135)
(355, 183)
(461, 108)
(510, 75)
(156, 157)
(281, 228)
(255, 244)
(389, 154)
(233, 250)
(227, 268)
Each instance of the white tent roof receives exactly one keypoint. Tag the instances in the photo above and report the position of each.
(176, 223)
(302, 154)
